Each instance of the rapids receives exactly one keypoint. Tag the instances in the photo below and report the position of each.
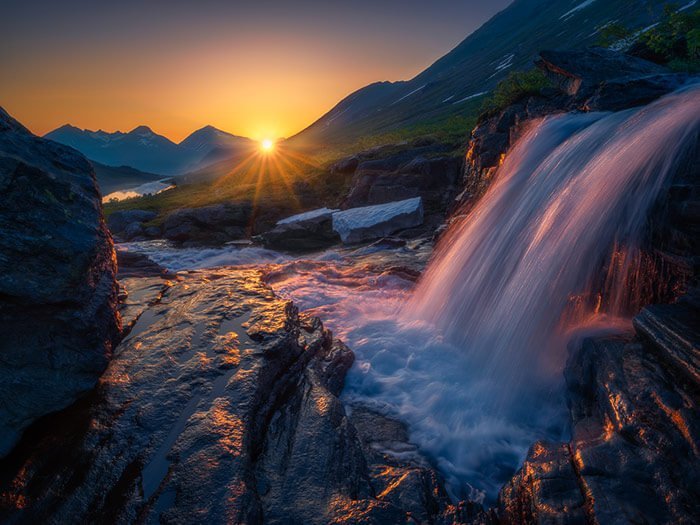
(471, 357)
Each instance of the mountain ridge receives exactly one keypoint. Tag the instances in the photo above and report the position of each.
(145, 150)
(506, 42)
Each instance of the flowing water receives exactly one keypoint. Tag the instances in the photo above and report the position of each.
(471, 357)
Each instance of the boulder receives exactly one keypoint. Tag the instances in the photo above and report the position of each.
(214, 224)
(58, 292)
(128, 224)
(345, 166)
(633, 456)
(221, 404)
(432, 178)
(307, 231)
(579, 72)
(372, 222)
(619, 94)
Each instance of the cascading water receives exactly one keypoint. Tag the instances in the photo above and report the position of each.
(471, 359)
(573, 187)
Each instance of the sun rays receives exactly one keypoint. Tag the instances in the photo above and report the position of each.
(269, 173)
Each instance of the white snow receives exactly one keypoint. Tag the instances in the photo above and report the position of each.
(687, 6)
(470, 97)
(571, 12)
(506, 62)
(331, 119)
(312, 214)
(449, 98)
(370, 222)
(409, 94)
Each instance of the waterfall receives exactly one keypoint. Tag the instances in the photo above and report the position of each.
(574, 191)
(472, 360)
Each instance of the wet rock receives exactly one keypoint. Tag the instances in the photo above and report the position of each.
(307, 231)
(214, 224)
(134, 264)
(546, 489)
(221, 403)
(58, 292)
(673, 330)
(634, 453)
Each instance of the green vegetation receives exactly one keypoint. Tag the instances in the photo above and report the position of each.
(674, 41)
(454, 128)
(613, 33)
(516, 86)
(286, 186)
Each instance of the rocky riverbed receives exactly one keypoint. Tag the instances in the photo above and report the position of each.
(224, 403)
(221, 404)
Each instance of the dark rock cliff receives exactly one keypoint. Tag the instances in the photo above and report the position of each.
(57, 279)
(633, 456)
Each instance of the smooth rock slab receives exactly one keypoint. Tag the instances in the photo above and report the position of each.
(372, 222)
(220, 406)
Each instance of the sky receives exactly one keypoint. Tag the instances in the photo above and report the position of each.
(259, 68)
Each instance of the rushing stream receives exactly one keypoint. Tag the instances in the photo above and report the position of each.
(471, 358)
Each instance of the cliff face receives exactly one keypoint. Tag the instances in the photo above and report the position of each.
(57, 279)
(633, 399)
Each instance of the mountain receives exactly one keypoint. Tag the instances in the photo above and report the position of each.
(145, 150)
(115, 178)
(456, 83)
(209, 138)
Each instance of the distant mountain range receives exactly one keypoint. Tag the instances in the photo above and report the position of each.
(145, 150)
(456, 83)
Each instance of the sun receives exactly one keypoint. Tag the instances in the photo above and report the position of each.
(267, 145)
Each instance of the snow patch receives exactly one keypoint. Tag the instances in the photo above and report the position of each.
(409, 94)
(470, 97)
(506, 62)
(571, 12)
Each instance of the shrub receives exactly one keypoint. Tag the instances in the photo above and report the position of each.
(516, 86)
(673, 41)
(613, 33)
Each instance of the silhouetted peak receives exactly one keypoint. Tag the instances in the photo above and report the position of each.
(142, 130)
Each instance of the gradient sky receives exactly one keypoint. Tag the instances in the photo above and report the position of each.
(256, 68)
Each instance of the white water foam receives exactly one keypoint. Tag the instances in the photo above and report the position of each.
(461, 361)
